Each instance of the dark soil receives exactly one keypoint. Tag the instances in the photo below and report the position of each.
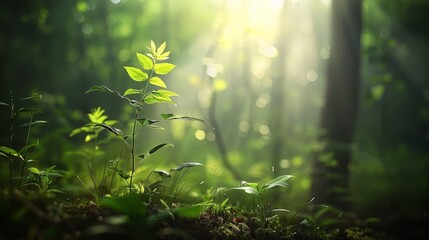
(24, 217)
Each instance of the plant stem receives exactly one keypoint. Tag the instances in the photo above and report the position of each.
(91, 172)
(26, 142)
(114, 171)
(133, 148)
(87, 188)
(11, 133)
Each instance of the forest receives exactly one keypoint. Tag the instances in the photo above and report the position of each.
(214, 119)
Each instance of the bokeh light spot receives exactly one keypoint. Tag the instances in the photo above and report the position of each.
(284, 163)
(244, 126)
(87, 28)
(312, 76)
(200, 135)
(264, 129)
(219, 85)
(325, 52)
(211, 136)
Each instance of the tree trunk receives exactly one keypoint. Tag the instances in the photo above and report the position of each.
(330, 165)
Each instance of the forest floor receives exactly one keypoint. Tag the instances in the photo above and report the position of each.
(24, 217)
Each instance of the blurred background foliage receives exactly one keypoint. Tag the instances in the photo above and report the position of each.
(230, 47)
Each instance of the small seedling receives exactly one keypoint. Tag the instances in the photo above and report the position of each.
(173, 189)
(153, 67)
(258, 192)
(96, 116)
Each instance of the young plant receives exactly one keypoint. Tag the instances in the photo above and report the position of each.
(172, 188)
(153, 67)
(96, 116)
(258, 192)
(41, 179)
(23, 154)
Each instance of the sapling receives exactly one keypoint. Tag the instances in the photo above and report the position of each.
(96, 116)
(257, 191)
(153, 67)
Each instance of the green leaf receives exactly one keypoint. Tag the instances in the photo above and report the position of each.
(247, 189)
(131, 91)
(145, 61)
(4, 104)
(156, 127)
(34, 97)
(146, 122)
(149, 123)
(99, 89)
(32, 123)
(164, 203)
(27, 110)
(152, 47)
(10, 152)
(166, 116)
(167, 93)
(186, 165)
(253, 185)
(170, 116)
(163, 68)
(136, 74)
(161, 48)
(115, 131)
(156, 148)
(164, 56)
(280, 181)
(150, 99)
(163, 174)
(224, 203)
(53, 190)
(280, 210)
(155, 97)
(123, 174)
(3, 155)
(156, 81)
(34, 170)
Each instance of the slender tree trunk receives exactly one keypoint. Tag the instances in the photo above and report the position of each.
(278, 108)
(330, 166)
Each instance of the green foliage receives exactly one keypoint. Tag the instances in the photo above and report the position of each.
(153, 67)
(255, 190)
(171, 186)
(40, 179)
(262, 208)
(96, 116)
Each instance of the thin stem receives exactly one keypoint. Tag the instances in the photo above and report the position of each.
(27, 141)
(90, 169)
(133, 148)
(87, 188)
(114, 171)
(11, 133)
(103, 179)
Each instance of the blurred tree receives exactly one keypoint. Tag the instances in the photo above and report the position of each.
(330, 165)
(277, 93)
